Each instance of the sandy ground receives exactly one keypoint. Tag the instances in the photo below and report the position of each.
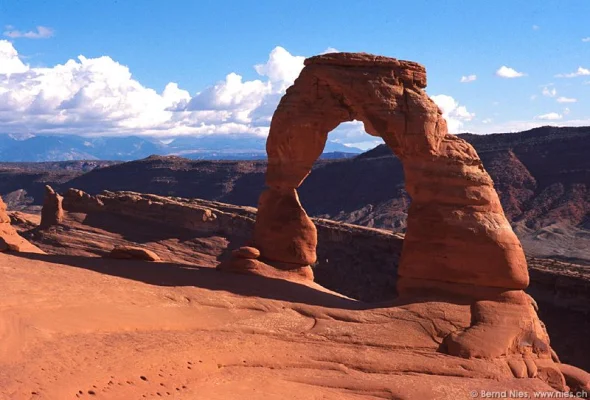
(80, 327)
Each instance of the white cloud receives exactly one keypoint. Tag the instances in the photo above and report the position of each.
(10, 63)
(365, 145)
(282, 68)
(563, 99)
(533, 97)
(353, 134)
(586, 39)
(100, 96)
(455, 114)
(566, 111)
(536, 27)
(579, 72)
(507, 72)
(231, 94)
(330, 50)
(468, 78)
(42, 32)
(549, 92)
(552, 116)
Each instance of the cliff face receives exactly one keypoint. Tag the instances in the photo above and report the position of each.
(344, 250)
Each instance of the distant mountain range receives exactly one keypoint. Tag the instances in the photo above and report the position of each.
(69, 147)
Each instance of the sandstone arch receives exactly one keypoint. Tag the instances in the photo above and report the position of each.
(457, 231)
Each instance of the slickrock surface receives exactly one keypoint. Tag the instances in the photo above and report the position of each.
(10, 240)
(52, 212)
(79, 327)
(164, 315)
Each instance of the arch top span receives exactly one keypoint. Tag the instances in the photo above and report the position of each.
(409, 72)
(384, 93)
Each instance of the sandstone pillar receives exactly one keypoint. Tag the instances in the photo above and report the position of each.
(52, 212)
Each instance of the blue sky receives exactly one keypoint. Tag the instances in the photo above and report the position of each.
(203, 46)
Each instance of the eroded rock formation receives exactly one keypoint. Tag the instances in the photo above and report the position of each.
(458, 240)
(52, 212)
(457, 231)
(9, 238)
(343, 246)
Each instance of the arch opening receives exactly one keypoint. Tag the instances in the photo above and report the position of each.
(357, 261)
(357, 190)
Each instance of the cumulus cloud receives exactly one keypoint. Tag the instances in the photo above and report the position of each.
(552, 116)
(563, 99)
(468, 78)
(455, 114)
(507, 72)
(231, 94)
(100, 96)
(579, 72)
(281, 69)
(10, 63)
(41, 32)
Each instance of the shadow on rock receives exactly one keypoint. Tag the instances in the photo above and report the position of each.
(171, 274)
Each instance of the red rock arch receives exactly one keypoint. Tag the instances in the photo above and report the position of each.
(457, 231)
